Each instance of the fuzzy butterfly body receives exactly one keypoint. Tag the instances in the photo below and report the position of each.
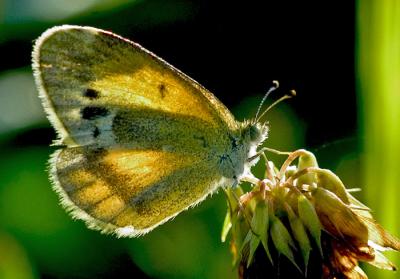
(140, 141)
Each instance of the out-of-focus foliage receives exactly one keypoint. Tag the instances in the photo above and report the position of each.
(378, 65)
(14, 262)
(19, 104)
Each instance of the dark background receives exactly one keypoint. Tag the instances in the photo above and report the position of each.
(236, 50)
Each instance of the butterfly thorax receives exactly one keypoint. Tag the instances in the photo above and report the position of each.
(234, 163)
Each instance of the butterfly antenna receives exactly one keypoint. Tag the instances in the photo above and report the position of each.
(292, 94)
(275, 85)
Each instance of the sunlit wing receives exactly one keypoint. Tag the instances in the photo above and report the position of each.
(142, 139)
(129, 192)
(85, 75)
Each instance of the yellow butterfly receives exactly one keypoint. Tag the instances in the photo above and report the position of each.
(140, 141)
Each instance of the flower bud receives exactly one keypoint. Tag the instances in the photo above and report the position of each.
(331, 182)
(306, 160)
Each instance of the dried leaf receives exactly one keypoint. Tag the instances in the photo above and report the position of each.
(332, 210)
(382, 262)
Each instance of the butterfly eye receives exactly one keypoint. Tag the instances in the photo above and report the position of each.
(254, 133)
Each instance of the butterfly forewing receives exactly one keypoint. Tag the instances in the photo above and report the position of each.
(87, 75)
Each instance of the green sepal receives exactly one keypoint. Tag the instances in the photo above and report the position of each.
(239, 228)
(300, 234)
(310, 219)
(260, 224)
(226, 227)
(254, 242)
(282, 240)
(246, 242)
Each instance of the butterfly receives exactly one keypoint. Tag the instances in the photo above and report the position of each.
(139, 141)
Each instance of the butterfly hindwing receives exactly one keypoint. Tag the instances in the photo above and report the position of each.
(127, 191)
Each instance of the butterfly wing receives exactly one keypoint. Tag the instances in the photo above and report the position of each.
(141, 137)
(129, 192)
(85, 73)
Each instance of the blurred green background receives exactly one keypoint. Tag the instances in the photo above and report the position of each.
(343, 59)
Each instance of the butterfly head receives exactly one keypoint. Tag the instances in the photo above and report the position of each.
(234, 163)
(255, 132)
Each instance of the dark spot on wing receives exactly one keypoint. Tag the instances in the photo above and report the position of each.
(91, 112)
(93, 155)
(96, 132)
(233, 141)
(222, 158)
(91, 93)
(162, 89)
(141, 206)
